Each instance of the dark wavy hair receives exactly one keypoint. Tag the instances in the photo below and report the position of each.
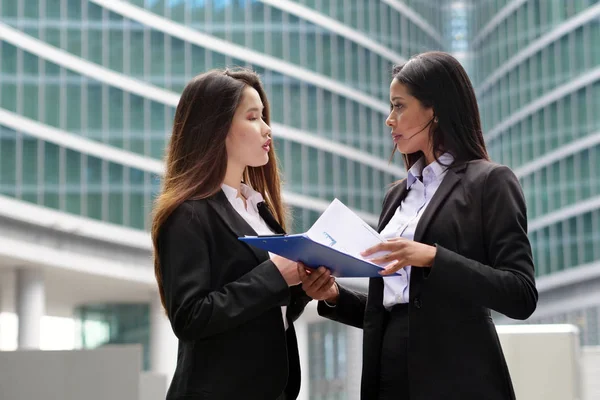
(438, 81)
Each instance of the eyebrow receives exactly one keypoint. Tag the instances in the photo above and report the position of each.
(255, 109)
(397, 98)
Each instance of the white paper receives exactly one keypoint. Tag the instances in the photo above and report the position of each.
(340, 228)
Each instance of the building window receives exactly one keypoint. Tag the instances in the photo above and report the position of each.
(328, 361)
(109, 324)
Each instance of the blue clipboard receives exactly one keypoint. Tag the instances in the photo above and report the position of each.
(301, 248)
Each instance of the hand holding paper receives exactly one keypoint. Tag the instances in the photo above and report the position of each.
(400, 252)
(334, 241)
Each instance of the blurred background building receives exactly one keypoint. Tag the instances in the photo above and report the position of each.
(536, 70)
(88, 90)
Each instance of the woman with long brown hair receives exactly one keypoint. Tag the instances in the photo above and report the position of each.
(231, 306)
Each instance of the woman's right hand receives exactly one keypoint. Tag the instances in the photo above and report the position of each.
(287, 268)
(318, 283)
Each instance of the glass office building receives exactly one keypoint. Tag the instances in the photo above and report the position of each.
(109, 72)
(88, 90)
(536, 70)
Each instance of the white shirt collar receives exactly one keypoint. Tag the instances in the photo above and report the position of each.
(252, 196)
(438, 167)
(230, 192)
(414, 172)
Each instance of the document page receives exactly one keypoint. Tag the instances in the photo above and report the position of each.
(340, 228)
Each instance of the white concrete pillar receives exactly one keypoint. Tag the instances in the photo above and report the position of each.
(163, 342)
(30, 306)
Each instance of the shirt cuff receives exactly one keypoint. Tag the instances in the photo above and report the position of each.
(329, 305)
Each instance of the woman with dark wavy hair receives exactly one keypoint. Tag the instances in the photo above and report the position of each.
(456, 231)
(231, 306)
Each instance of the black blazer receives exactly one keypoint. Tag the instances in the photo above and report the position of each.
(224, 301)
(478, 222)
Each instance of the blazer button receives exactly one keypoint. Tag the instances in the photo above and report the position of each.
(417, 302)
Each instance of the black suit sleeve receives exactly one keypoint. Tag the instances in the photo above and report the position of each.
(349, 309)
(194, 309)
(299, 300)
(507, 285)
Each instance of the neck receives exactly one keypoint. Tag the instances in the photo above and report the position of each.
(429, 158)
(233, 176)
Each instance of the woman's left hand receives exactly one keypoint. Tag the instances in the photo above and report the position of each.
(402, 252)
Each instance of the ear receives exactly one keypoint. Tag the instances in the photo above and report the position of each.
(430, 113)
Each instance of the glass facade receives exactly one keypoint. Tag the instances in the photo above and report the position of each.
(45, 90)
(536, 71)
(328, 352)
(47, 174)
(113, 324)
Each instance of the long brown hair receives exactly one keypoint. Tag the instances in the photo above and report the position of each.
(196, 157)
(438, 80)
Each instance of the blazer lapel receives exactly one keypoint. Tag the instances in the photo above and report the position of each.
(234, 221)
(450, 180)
(269, 219)
(397, 194)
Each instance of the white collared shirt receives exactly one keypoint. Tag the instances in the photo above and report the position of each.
(251, 216)
(404, 222)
